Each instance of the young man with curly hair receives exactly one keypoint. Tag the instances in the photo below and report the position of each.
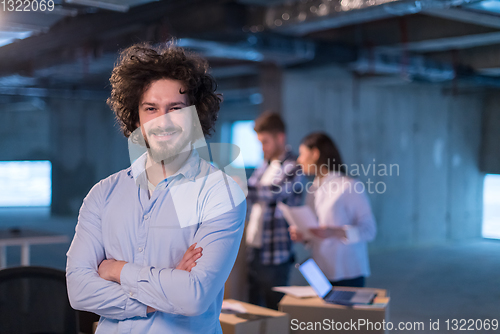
(155, 243)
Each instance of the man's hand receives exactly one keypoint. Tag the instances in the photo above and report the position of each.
(189, 259)
(329, 232)
(295, 235)
(111, 269)
(187, 263)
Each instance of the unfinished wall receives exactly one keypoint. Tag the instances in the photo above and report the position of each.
(87, 146)
(78, 135)
(24, 128)
(433, 136)
(490, 148)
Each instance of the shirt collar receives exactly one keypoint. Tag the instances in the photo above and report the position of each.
(287, 154)
(191, 166)
(189, 169)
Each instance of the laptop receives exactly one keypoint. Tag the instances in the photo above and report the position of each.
(324, 289)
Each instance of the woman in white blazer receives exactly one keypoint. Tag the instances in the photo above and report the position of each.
(346, 222)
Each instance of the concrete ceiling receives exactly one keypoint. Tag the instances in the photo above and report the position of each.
(76, 44)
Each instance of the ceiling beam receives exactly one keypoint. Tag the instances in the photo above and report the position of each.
(419, 68)
(282, 50)
(467, 16)
(340, 13)
(444, 44)
(485, 57)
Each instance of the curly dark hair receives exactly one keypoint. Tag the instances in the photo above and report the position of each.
(141, 64)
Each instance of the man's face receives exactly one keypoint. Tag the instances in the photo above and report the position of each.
(166, 129)
(271, 144)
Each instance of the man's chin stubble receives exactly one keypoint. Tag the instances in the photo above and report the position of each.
(166, 158)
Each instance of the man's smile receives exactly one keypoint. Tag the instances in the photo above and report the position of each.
(163, 136)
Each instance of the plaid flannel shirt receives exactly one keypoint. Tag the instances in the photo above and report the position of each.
(289, 188)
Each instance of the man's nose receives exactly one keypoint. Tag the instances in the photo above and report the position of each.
(164, 120)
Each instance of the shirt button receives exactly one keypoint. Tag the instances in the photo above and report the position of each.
(146, 216)
(130, 294)
(140, 249)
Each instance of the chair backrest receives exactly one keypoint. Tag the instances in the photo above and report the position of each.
(35, 300)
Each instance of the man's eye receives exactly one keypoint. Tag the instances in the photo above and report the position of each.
(150, 109)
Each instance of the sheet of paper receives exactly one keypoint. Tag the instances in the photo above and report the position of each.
(255, 225)
(231, 306)
(300, 216)
(296, 291)
(352, 234)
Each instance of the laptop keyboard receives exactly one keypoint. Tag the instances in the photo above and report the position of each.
(337, 295)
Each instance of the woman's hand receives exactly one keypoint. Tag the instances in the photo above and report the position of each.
(329, 232)
(295, 235)
(189, 259)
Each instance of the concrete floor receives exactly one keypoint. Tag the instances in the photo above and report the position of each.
(452, 281)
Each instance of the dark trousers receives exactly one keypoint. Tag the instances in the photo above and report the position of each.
(357, 282)
(262, 278)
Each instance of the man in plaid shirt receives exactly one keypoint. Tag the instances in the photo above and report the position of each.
(268, 241)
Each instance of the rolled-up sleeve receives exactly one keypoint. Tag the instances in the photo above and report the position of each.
(86, 289)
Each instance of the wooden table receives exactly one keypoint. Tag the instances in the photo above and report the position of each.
(316, 310)
(25, 238)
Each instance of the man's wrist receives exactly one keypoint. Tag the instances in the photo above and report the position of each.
(117, 270)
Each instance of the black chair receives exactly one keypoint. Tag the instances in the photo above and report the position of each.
(34, 300)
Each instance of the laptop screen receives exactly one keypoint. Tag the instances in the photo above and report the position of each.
(315, 277)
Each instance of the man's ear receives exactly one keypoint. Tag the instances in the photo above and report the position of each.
(281, 138)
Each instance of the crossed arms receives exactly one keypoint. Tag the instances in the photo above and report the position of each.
(119, 290)
(111, 269)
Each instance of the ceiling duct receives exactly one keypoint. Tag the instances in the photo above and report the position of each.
(414, 66)
(255, 48)
(418, 68)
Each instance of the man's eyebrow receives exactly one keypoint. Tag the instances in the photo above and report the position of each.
(170, 104)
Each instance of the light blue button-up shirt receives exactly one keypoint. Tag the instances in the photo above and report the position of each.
(118, 220)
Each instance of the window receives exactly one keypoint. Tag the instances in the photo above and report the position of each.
(491, 206)
(243, 135)
(25, 183)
